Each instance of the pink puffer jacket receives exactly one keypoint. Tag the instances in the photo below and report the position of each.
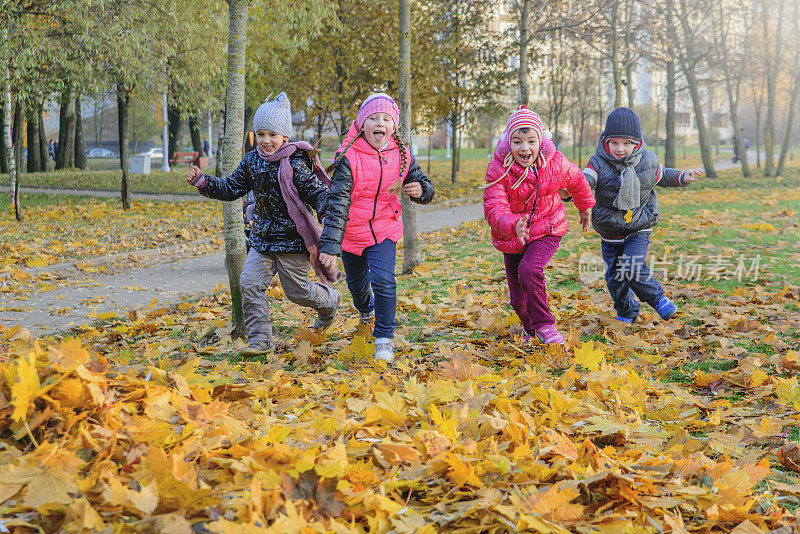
(504, 204)
(375, 213)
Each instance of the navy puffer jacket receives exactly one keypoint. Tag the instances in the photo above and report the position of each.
(604, 178)
(274, 231)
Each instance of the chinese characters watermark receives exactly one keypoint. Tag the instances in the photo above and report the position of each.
(591, 267)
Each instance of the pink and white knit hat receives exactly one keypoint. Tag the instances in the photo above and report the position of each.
(378, 103)
(524, 118)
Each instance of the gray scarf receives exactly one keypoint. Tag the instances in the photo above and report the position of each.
(629, 196)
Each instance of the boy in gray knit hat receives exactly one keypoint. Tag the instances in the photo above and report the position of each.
(622, 174)
(286, 178)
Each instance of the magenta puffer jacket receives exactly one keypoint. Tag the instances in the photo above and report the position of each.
(506, 200)
(360, 211)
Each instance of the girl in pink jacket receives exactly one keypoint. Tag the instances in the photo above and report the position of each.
(522, 204)
(363, 217)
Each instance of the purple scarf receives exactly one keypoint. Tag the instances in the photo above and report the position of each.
(305, 222)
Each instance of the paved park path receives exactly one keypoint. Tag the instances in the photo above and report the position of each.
(165, 280)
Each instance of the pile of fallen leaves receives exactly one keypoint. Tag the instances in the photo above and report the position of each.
(148, 423)
(458, 445)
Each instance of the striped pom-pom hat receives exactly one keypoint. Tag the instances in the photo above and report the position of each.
(524, 118)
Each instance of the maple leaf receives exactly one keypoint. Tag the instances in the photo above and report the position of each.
(460, 472)
(23, 382)
(588, 357)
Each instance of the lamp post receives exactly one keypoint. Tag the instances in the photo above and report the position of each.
(165, 125)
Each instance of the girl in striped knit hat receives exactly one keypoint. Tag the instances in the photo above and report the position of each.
(522, 204)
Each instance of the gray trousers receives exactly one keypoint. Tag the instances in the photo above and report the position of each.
(293, 272)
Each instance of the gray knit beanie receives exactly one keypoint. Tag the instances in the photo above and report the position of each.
(274, 115)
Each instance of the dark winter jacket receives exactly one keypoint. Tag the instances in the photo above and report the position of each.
(274, 231)
(337, 208)
(604, 178)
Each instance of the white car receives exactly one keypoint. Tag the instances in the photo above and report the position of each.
(154, 153)
(100, 153)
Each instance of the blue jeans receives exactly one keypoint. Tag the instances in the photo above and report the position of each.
(627, 275)
(370, 278)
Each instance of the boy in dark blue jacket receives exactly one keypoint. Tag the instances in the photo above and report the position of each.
(622, 174)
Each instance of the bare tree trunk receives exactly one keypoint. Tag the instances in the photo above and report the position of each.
(34, 155)
(772, 75)
(18, 134)
(697, 104)
(688, 66)
(410, 232)
(733, 102)
(80, 144)
(580, 139)
(795, 89)
(220, 140)
(235, 251)
(123, 108)
(320, 129)
(3, 155)
(629, 86)
(669, 119)
(524, 39)
(13, 170)
(453, 146)
(787, 135)
(44, 155)
(194, 132)
(615, 63)
(758, 101)
(175, 127)
(65, 157)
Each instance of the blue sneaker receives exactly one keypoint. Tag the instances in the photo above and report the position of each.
(666, 308)
(625, 319)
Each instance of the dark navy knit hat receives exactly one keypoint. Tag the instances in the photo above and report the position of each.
(623, 122)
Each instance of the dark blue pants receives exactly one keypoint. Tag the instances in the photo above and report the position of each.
(627, 275)
(370, 278)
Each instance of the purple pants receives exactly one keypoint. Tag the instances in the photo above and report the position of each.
(525, 274)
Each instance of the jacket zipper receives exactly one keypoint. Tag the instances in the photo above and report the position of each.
(378, 192)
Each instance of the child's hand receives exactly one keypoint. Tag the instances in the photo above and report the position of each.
(413, 189)
(586, 216)
(521, 230)
(328, 261)
(193, 174)
(692, 175)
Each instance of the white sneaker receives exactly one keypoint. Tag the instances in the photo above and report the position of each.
(384, 349)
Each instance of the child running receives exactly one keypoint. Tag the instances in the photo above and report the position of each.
(526, 215)
(283, 236)
(363, 216)
(623, 173)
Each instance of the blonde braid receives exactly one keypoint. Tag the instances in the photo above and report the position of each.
(336, 160)
(395, 187)
(403, 154)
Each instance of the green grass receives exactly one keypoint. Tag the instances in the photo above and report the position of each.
(685, 373)
(34, 200)
(155, 182)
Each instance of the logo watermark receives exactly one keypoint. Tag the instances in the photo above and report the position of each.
(591, 267)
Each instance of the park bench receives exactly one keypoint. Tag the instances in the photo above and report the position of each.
(191, 158)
